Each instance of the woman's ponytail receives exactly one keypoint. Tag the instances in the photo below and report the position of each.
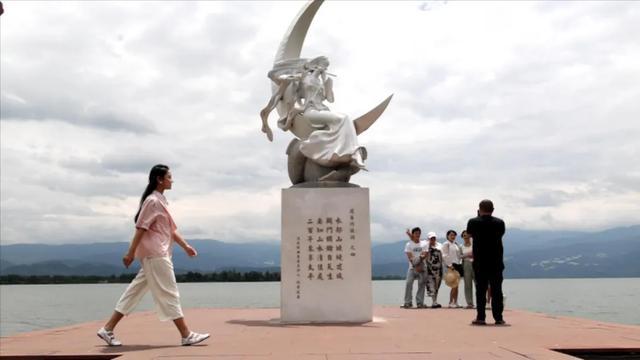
(158, 171)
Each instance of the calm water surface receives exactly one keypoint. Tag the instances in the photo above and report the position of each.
(35, 307)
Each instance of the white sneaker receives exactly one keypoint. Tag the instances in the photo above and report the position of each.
(194, 338)
(108, 337)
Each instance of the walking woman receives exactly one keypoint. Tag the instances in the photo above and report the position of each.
(152, 246)
(467, 266)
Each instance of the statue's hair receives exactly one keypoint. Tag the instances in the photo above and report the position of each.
(316, 61)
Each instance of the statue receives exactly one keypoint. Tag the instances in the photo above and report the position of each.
(325, 150)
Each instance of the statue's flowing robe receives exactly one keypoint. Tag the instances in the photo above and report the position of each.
(335, 141)
(333, 145)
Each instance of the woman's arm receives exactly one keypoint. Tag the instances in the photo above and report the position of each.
(128, 258)
(184, 245)
(446, 257)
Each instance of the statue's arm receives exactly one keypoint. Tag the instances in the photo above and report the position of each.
(284, 81)
(328, 89)
(289, 77)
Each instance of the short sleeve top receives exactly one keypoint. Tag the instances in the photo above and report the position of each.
(155, 218)
(416, 248)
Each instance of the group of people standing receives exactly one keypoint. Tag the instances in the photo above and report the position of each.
(429, 260)
(478, 260)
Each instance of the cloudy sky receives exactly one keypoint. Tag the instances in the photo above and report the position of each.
(535, 105)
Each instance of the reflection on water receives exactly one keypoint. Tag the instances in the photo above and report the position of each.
(34, 307)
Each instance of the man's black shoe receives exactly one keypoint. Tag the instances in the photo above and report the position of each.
(478, 322)
(501, 323)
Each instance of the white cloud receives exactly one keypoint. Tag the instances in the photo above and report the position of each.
(531, 104)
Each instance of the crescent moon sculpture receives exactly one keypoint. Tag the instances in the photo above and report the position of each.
(325, 151)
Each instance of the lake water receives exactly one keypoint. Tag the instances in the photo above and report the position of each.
(34, 307)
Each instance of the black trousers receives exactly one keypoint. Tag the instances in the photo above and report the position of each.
(459, 268)
(485, 278)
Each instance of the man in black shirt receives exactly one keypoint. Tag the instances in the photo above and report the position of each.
(487, 231)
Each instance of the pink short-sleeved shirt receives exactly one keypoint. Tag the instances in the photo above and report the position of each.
(155, 218)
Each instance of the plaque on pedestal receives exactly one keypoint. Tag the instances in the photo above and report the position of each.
(326, 255)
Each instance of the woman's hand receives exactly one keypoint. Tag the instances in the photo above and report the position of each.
(127, 259)
(190, 251)
(184, 245)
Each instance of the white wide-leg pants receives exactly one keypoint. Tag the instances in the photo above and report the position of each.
(156, 275)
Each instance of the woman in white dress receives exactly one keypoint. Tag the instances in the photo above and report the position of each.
(451, 255)
(467, 265)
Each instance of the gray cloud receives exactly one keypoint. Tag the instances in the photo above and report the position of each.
(533, 105)
(125, 161)
(187, 48)
(548, 198)
(69, 110)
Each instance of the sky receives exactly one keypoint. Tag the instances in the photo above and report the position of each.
(534, 105)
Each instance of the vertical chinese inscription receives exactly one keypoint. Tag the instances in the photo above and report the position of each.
(325, 248)
(298, 270)
(352, 232)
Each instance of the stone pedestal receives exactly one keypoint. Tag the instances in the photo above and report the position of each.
(326, 255)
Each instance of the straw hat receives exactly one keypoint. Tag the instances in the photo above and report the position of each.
(452, 278)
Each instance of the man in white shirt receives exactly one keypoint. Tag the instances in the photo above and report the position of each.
(415, 250)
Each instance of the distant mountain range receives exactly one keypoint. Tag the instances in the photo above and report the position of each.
(106, 258)
(528, 254)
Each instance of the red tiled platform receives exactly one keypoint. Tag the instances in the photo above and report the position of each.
(395, 334)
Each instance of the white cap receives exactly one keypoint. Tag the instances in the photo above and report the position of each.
(431, 234)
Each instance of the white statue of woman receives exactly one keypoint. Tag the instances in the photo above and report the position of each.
(334, 141)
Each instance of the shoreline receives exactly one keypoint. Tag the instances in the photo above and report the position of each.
(383, 278)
